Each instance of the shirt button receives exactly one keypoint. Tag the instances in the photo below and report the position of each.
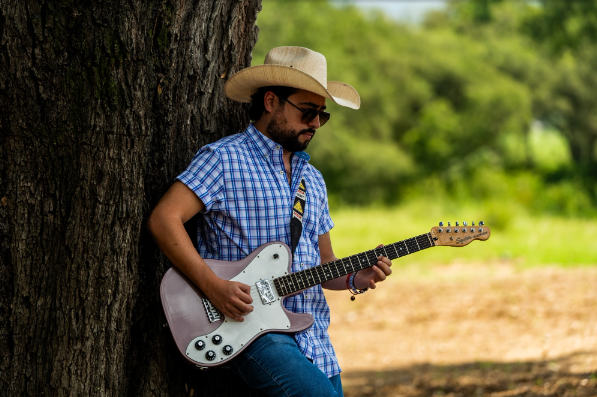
(281, 172)
(277, 147)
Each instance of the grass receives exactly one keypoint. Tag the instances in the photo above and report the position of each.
(516, 236)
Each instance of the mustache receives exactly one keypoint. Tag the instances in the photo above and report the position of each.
(307, 130)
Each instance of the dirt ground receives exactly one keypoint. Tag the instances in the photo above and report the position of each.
(470, 330)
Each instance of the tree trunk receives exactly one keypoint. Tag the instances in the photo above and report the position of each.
(102, 104)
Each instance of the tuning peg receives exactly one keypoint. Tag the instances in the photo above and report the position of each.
(464, 223)
(441, 224)
(456, 223)
(448, 223)
(481, 223)
(473, 223)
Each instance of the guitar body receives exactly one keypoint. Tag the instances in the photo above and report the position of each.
(209, 341)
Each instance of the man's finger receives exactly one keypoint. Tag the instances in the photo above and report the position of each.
(234, 316)
(244, 293)
(384, 268)
(381, 275)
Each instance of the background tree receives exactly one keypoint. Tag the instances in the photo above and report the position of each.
(467, 106)
(102, 104)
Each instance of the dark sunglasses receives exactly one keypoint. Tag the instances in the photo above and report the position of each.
(309, 114)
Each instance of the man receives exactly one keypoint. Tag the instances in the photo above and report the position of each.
(244, 186)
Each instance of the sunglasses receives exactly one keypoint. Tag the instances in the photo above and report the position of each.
(309, 114)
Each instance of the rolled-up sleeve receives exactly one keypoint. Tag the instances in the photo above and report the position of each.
(204, 176)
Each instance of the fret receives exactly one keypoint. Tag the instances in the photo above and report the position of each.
(364, 262)
(346, 265)
(329, 274)
(391, 250)
(339, 268)
(380, 251)
(333, 270)
(355, 263)
(288, 284)
(346, 269)
(401, 249)
(310, 277)
(412, 246)
(371, 257)
(423, 241)
(304, 283)
(277, 285)
(319, 274)
(326, 272)
(431, 243)
(430, 239)
(296, 278)
(285, 285)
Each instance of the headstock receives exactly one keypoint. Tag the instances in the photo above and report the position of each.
(457, 235)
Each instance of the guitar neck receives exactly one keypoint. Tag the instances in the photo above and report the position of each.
(294, 282)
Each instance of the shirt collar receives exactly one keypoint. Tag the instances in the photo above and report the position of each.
(266, 146)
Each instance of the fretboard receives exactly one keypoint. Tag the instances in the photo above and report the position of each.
(294, 282)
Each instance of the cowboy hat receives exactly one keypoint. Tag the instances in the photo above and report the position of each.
(295, 67)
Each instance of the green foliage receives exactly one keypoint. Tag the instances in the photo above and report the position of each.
(448, 106)
(564, 25)
(524, 241)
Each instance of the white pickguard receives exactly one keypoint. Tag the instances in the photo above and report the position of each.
(263, 317)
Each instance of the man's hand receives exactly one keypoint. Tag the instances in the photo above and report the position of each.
(232, 298)
(367, 278)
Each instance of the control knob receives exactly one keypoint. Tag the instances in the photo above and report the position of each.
(200, 345)
(210, 355)
(227, 350)
(216, 339)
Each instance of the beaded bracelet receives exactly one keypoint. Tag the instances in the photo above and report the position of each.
(351, 287)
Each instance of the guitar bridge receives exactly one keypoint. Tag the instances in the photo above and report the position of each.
(265, 291)
(213, 314)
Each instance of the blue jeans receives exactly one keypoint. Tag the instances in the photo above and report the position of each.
(274, 364)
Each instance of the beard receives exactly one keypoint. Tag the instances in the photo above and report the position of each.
(287, 137)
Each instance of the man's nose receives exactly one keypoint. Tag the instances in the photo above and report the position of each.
(314, 123)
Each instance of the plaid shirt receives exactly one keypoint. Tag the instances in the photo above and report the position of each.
(242, 181)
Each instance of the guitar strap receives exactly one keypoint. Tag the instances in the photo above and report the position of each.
(298, 209)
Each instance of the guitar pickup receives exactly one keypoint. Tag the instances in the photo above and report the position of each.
(265, 291)
(213, 314)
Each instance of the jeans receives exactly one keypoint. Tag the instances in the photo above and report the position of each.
(274, 364)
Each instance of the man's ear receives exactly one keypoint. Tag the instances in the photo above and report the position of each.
(270, 102)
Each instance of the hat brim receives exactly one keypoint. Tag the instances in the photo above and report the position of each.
(246, 82)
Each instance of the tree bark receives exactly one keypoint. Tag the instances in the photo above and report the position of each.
(102, 104)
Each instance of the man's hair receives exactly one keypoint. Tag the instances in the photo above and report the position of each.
(257, 107)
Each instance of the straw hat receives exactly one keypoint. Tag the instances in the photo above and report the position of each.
(296, 67)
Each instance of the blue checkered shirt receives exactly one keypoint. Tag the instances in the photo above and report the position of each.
(242, 182)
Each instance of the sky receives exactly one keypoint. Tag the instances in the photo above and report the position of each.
(403, 10)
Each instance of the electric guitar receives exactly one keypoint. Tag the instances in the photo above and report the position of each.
(207, 338)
